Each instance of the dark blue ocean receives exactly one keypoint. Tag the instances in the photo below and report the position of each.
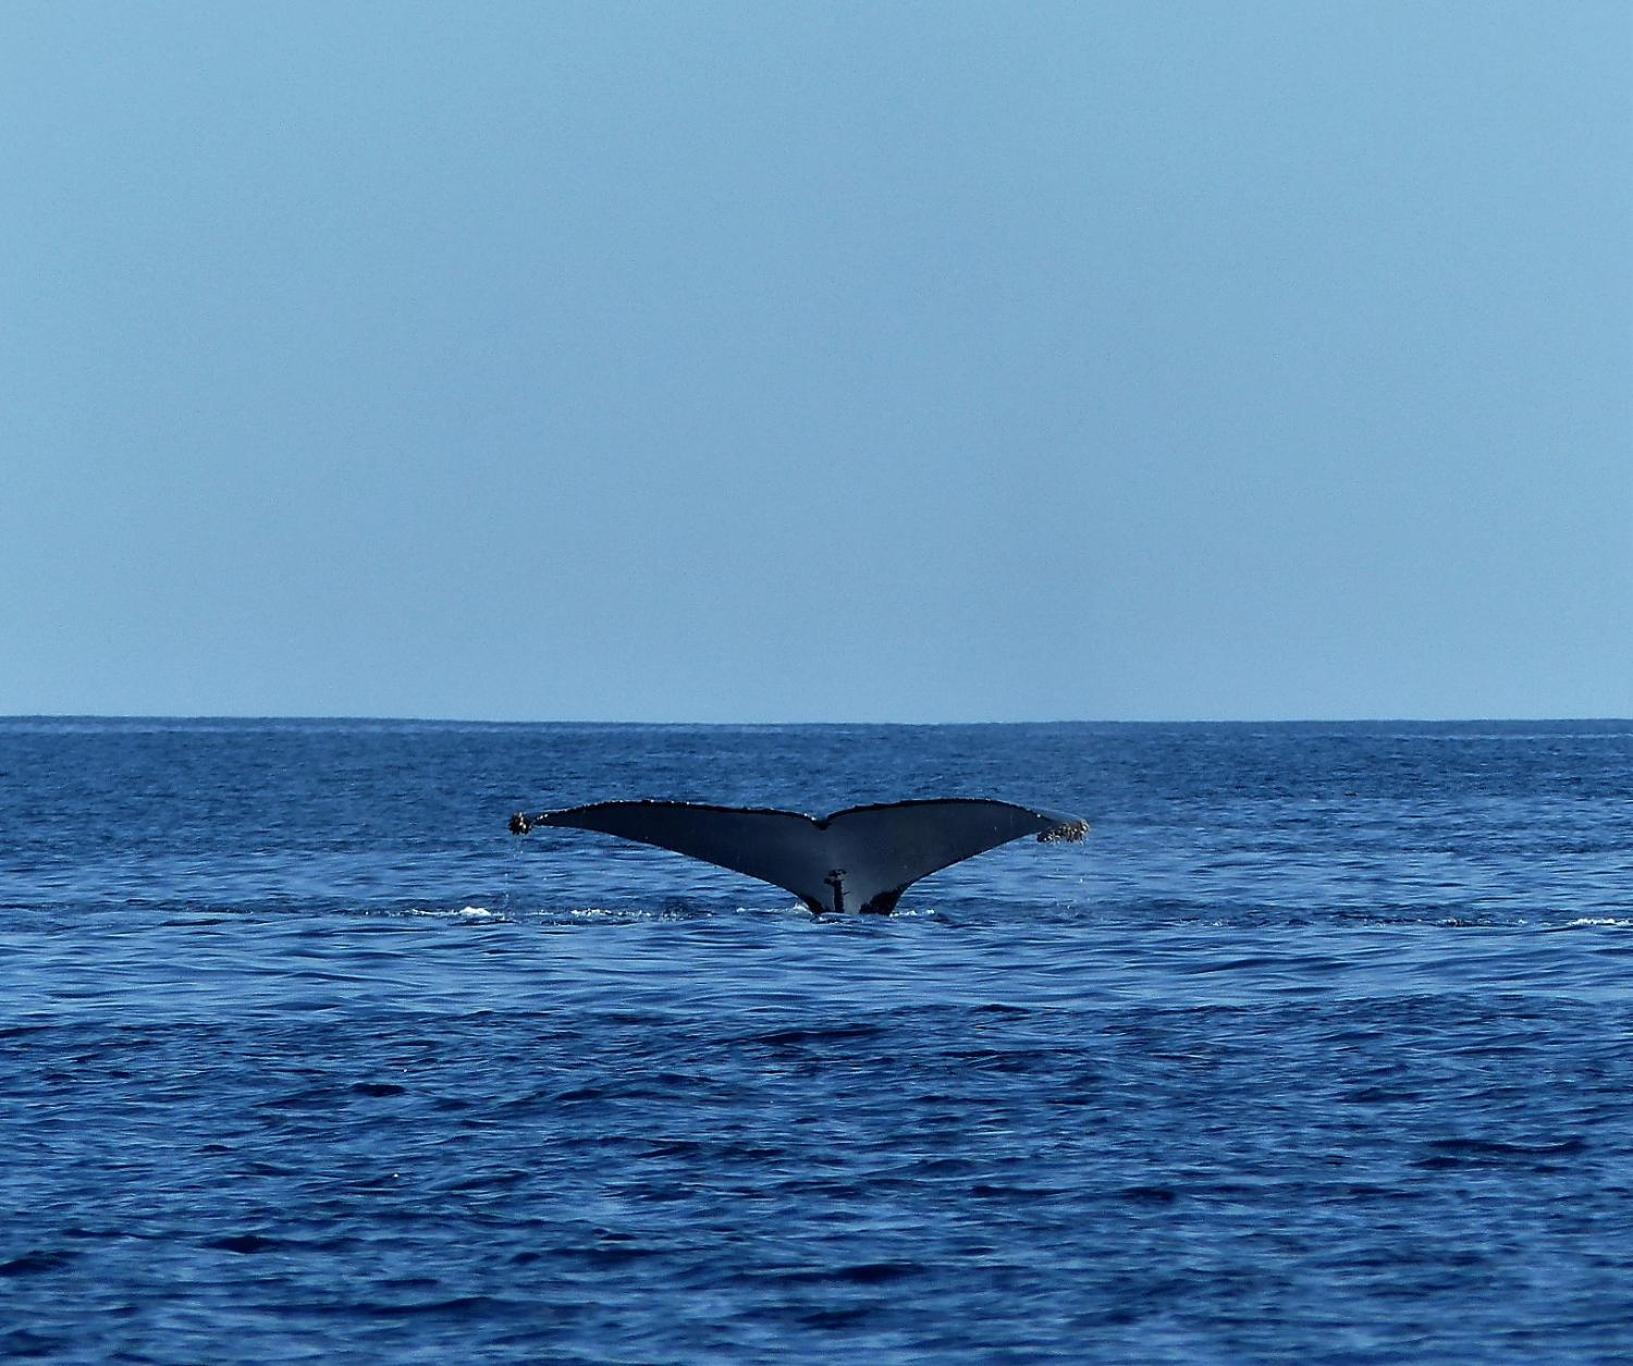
(1319, 1049)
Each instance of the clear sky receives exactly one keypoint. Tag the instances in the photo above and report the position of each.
(828, 361)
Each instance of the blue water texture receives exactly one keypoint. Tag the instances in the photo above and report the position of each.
(1320, 1048)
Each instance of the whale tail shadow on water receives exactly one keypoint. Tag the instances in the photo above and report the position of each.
(860, 859)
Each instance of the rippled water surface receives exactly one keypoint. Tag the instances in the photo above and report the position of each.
(1319, 1048)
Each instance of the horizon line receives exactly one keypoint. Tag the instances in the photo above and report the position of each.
(632, 722)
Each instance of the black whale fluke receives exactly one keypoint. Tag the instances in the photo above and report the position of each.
(860, 859)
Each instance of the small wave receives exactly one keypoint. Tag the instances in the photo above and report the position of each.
(1585, 922)
(36, 1262)
(559, 916)
(678, 910)
(1447, 1153)
(601, 913)
(461, 913)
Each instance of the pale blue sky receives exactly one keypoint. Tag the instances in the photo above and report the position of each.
(817, 362)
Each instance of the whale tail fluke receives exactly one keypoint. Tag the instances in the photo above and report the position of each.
(861, 858)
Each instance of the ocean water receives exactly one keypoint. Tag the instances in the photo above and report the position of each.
(1319, 1048)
